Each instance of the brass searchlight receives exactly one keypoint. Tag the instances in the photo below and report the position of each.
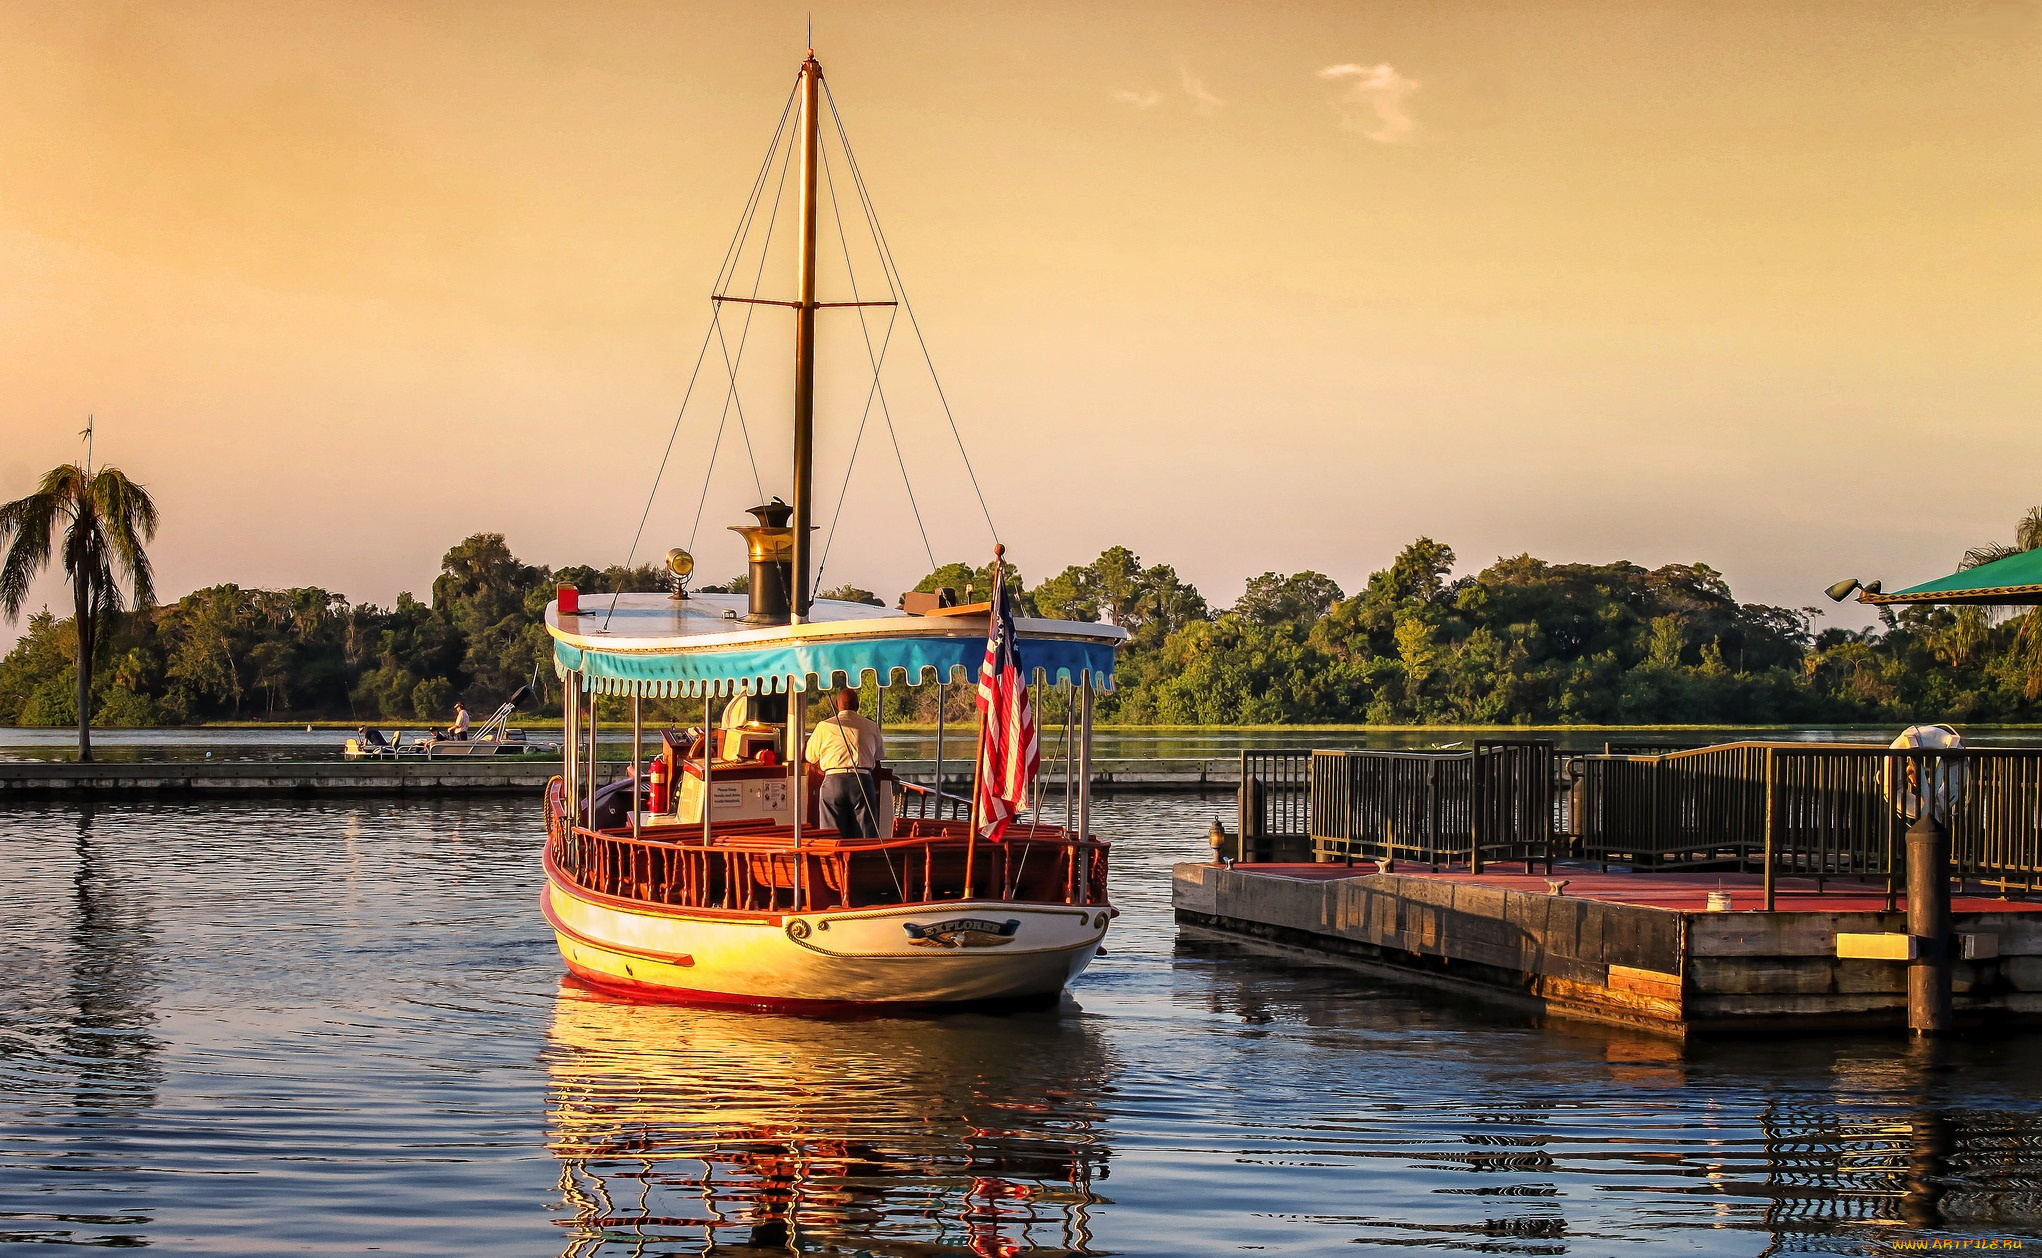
(682, 565)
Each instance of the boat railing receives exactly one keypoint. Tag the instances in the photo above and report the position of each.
(753, 867)
(927, 803)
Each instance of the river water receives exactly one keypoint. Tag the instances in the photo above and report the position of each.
(340, 1027)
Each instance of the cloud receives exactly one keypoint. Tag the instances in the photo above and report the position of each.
(1202, 101)
(1372, 101)
(1140, 100)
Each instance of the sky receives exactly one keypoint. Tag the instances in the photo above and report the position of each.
(1242, 287)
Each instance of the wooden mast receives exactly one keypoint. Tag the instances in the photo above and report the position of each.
(804, 335)
(804, 445)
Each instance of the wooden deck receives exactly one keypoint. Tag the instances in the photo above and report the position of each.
(1639, 949)
(129, 778)
(1688, 892)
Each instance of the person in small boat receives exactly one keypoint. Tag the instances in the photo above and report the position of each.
(847, 748)
(458, 731)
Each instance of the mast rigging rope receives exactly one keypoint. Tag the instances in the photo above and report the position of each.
(730, 366)
(729, 252)
(899, 287)
(726, 273)
(877, 390)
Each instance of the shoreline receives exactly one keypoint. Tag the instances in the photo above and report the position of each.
(316, 726)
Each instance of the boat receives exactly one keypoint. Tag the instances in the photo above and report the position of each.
(495, 737)
(706, 873)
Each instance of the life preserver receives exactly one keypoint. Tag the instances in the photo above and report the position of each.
(1934, 783)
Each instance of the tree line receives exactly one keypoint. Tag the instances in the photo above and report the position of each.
(1521, 641)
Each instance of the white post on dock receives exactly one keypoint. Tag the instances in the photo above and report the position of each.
(637, 758)
(942, 698)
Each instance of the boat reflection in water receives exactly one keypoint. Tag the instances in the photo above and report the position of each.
(740, 1132)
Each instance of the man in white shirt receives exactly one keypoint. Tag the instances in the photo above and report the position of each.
(847, 748)
(458, 731)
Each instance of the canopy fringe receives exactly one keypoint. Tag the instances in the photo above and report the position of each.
(613, 674)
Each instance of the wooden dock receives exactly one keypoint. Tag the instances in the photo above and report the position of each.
(119, 778)
(1637, 949)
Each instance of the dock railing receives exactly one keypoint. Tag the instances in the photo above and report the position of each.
(1813, 810)
(1275, 804)
(1492, 802)
(1832, 811)
(1676, 810)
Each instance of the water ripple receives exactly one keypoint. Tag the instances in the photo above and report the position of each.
(318, 1027)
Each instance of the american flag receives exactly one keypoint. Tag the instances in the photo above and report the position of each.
(1008, 755)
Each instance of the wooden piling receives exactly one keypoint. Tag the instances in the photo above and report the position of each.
(1928, 920)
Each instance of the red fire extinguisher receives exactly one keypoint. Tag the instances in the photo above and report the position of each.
(658, 779)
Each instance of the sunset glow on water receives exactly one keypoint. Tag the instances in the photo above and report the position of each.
(331, 1027)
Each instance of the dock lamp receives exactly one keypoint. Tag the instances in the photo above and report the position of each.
(1842, 589)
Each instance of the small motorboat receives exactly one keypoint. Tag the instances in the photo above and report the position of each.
(494, 738)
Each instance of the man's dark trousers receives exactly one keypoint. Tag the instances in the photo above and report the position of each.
(849, 803)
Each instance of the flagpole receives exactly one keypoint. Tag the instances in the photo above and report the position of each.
(978, 769)
(979, 758)
(971, 834)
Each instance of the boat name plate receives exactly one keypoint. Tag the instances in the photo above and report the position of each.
(962, 932)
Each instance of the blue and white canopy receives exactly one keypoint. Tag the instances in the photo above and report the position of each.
(657, 647)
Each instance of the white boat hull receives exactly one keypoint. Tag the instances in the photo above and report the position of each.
(973, 950)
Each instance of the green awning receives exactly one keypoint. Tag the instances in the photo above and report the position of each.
(2013, 581)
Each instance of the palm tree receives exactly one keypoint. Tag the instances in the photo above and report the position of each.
(104, 518)
(2028, 631)
(2027, 536)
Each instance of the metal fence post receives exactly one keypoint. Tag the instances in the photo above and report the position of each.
(1432, 811)
(1476, 798)
(1772, 759)
(1348, 767)
(1892, 815)
(1241, 808)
